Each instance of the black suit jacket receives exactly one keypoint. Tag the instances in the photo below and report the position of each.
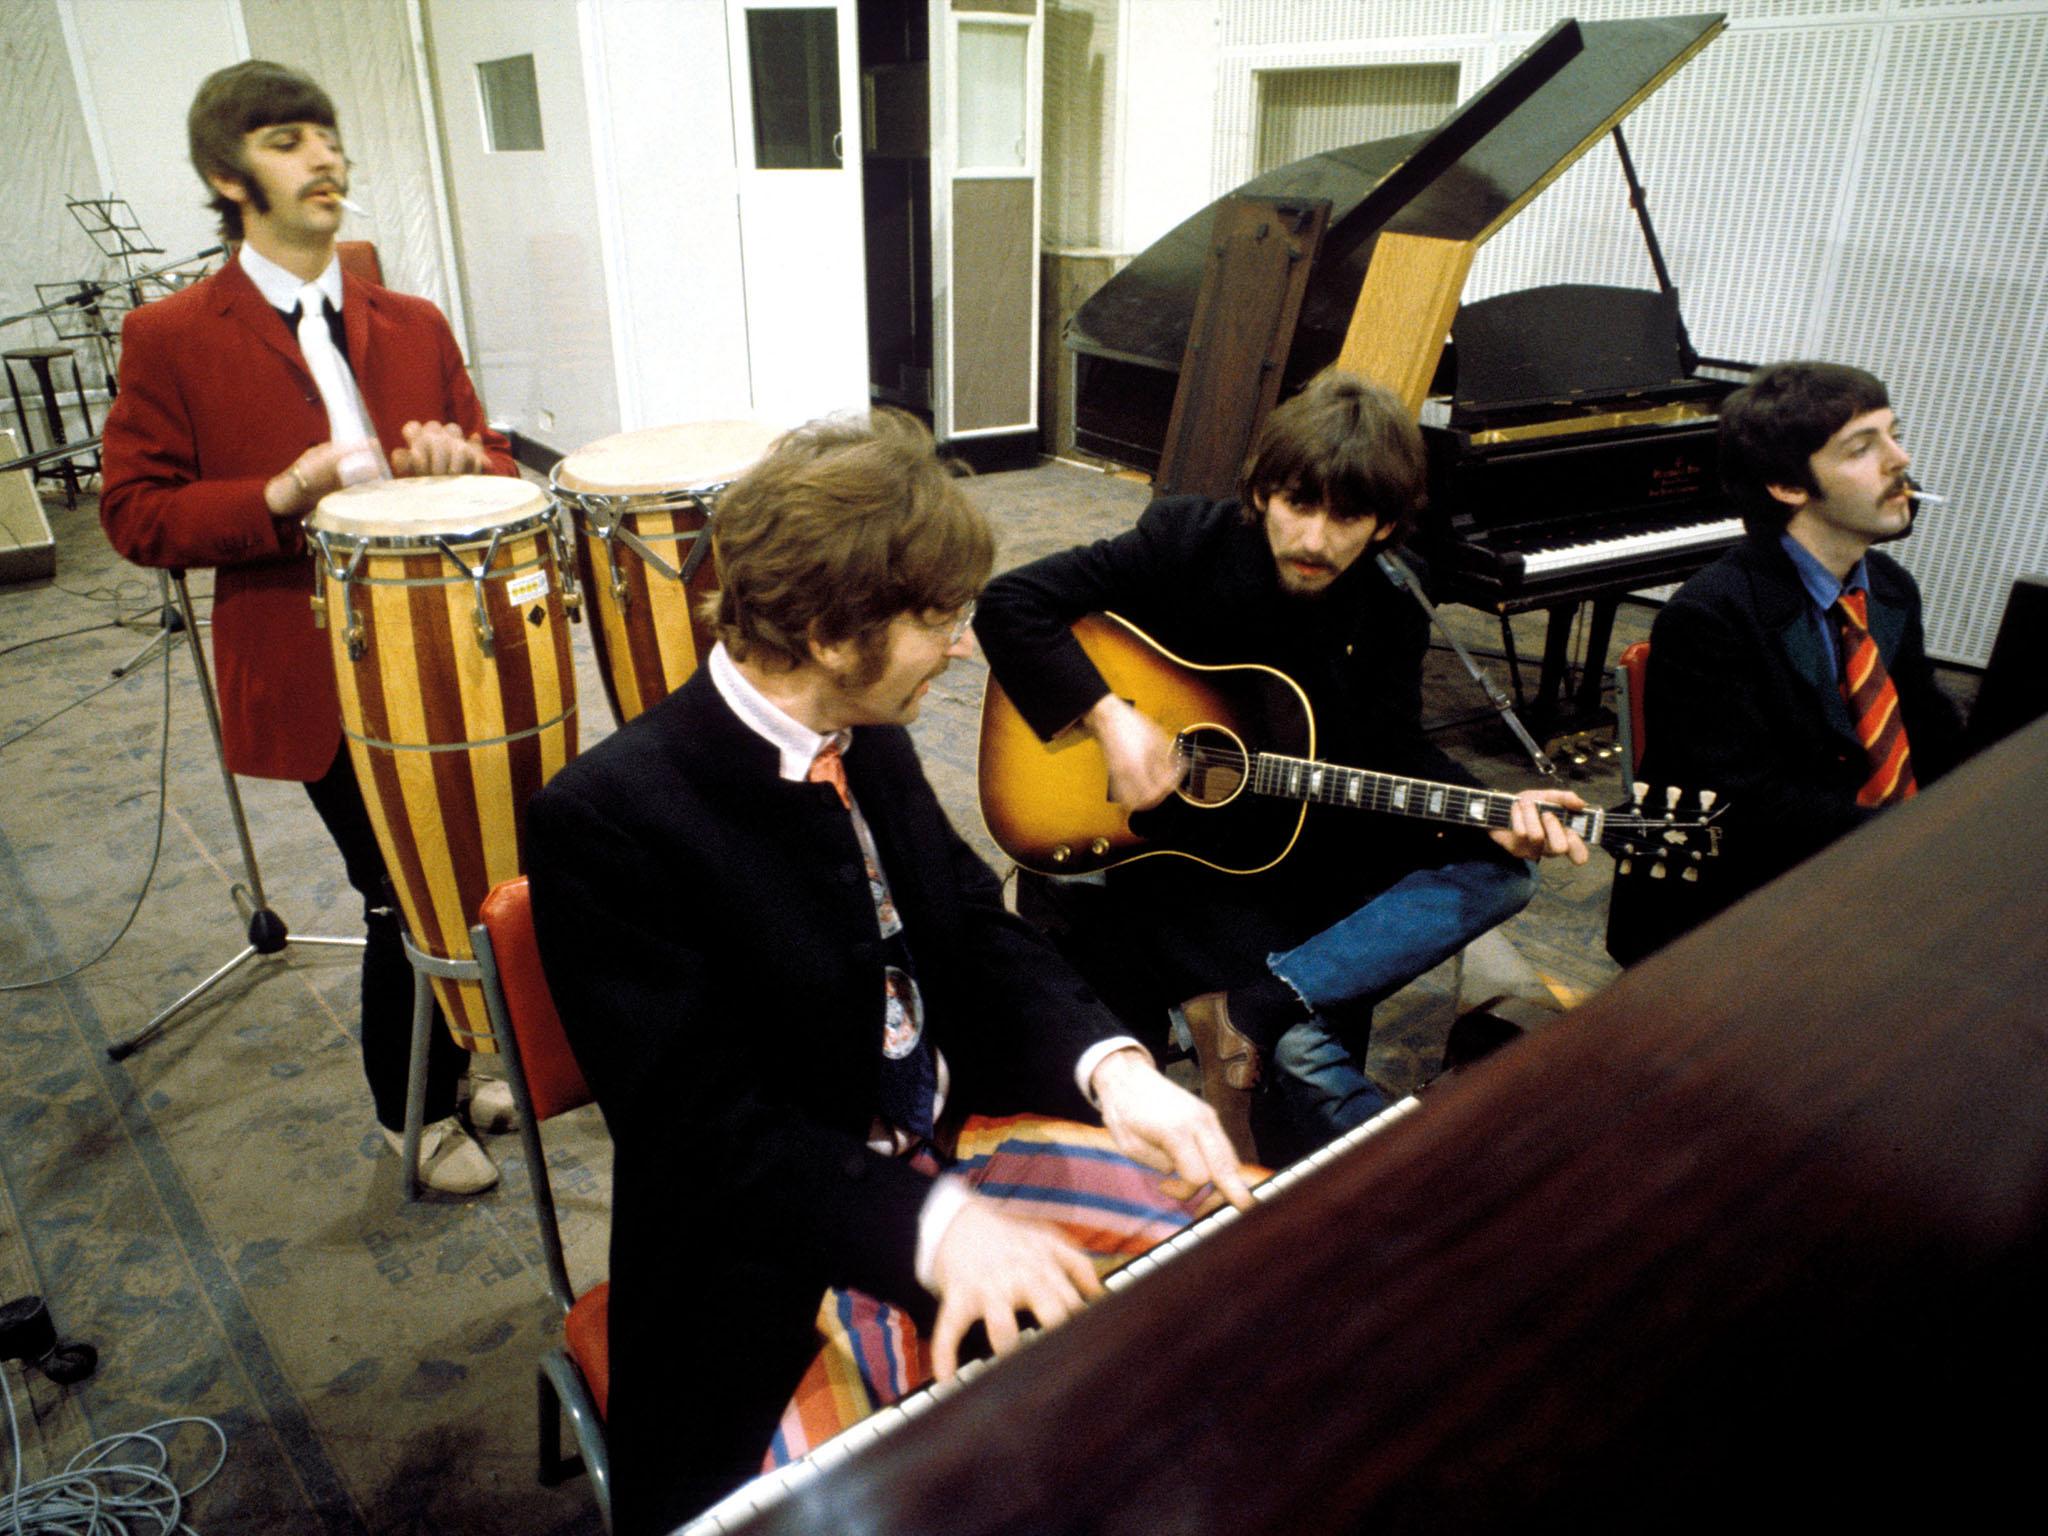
(711, 943)
(1738, 700)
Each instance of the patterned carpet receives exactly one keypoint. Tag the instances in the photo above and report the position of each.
(219, 1214)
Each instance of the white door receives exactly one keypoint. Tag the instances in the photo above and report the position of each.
(795, 90)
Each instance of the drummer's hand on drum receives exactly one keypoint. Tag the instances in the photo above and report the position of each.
(296, 490)
(991, 1266)
(439, 448)
(1143, 767)
(1162, 1125)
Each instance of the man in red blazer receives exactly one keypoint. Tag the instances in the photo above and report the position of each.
(229, 428)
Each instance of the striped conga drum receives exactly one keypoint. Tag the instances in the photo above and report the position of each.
(442, 597)
(642, 504)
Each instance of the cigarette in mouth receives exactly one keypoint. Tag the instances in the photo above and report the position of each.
(1927, 498)
(355, 207)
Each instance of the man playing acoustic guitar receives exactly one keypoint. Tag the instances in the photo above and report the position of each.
(1281, 966)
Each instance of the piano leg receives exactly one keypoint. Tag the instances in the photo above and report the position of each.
(1556, 707)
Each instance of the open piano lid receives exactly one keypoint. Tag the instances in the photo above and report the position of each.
(1140, 318)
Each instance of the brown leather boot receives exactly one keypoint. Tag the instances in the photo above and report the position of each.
(1230, 1067)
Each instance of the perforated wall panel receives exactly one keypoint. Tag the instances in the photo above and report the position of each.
(1305, 110)
(1080, 122)
(1857, 179)
(362, 54)
(45, 157)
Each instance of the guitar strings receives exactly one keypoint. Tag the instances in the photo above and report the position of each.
(1498, 801)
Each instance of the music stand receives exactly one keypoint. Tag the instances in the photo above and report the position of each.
(267, 932)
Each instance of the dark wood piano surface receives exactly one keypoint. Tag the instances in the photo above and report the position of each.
(1754, 1238)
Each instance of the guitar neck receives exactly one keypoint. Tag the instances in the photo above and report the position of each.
(1300, 778)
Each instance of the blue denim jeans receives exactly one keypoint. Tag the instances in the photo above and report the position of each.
(1414, 924)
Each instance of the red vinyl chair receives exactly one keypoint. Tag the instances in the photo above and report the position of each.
(1630, 669)
(575, 1376)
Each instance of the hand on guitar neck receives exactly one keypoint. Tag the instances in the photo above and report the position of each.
(1144, 766)
(1536, 833)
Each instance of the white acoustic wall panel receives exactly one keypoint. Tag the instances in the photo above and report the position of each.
(1081, 65)
(362, 54)
(45, 157)
(1302, 111)
(1856, 179)
(1939, 283)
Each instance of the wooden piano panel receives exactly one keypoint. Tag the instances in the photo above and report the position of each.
(1756, 1237)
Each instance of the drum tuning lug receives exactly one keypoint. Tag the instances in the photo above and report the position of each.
(572, 605)
(352, 637)
(621, 593)
(319, 601)
(486, 637)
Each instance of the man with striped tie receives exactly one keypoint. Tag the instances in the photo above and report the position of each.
(1790, 674)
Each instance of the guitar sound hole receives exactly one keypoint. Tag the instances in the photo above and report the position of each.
(1216, 765)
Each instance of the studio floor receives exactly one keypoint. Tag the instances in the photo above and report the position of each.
(218, 1213)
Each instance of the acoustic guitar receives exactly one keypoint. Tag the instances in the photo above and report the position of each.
(1246, 738)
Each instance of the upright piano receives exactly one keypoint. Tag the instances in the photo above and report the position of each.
(1571, 429)
(1756, 1238)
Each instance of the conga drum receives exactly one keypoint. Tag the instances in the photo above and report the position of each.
(642, 503)
(442, 597)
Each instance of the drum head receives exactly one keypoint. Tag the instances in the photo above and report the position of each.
(686, 456)
(430, 506)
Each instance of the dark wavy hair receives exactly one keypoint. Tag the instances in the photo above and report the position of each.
(846, 523)
(1773, 426)
(1343, 444)
(235, 102)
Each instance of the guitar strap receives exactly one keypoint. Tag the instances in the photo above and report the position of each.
(1396, 571)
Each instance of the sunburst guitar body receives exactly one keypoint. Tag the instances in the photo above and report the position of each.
(1246, 739)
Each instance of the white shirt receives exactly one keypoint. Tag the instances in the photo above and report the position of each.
(796, 746)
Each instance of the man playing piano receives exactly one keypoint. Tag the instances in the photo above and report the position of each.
(1283, 967)
(1789, 675)
(786, 977)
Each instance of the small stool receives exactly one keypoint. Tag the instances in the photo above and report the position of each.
(42, 361)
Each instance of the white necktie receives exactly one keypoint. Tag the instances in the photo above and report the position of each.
(337, 387)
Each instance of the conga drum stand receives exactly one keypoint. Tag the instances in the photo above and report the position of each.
(267, 932)
(424, 968)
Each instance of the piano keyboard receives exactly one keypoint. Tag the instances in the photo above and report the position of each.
(770, 1488)
(1568, 557)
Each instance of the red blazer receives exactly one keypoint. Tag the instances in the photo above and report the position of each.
(215, 399)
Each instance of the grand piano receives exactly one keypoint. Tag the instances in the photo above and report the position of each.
(1571, 428)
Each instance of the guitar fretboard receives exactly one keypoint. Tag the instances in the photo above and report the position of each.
(1299, 778)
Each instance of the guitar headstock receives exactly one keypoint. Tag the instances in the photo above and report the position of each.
(1663, 833)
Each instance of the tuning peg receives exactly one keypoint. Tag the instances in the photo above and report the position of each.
(1624, 865)
(1658, 870)
(1671, 797)
(1707, 797)
(1688, 873)
(1641, 791)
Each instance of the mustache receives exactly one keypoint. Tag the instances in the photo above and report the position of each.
(1317, 562)
(324, 184)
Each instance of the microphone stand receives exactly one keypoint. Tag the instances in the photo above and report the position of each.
(266, 930)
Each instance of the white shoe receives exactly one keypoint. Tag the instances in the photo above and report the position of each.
(491, 1109)
(450, 1160)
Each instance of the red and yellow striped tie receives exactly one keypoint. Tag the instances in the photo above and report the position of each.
(1874, 704)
